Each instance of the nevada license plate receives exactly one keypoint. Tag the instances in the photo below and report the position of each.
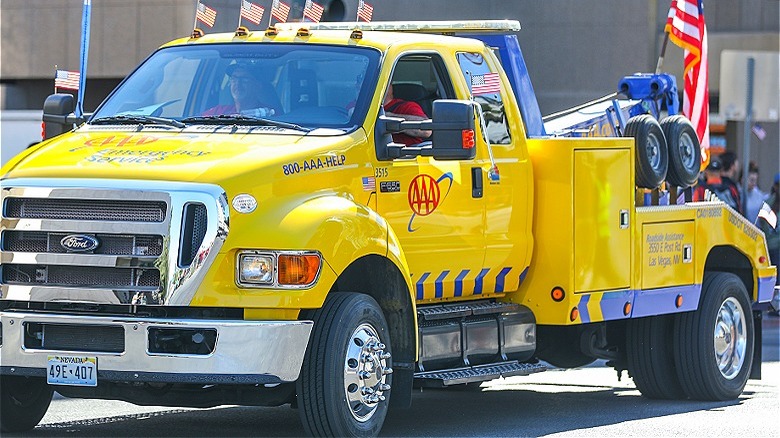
(72, 370)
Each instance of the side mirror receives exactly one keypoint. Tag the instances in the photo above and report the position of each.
(56, 111)
(453, 133)
(452, 139)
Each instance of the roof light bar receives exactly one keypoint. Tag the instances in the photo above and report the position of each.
(470, 26)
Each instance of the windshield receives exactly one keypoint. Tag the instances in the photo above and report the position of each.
(302, 85)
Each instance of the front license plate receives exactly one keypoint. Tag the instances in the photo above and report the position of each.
(71, 370)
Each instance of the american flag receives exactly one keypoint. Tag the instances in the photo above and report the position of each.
(280, 11)
(206, 15)
(252, 12)
(67, 79)
(364, 11)
(369, 183)
(313, 11)
(686, 28)
(488, 83)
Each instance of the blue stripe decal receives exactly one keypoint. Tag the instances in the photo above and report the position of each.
(420, 285)
(583, 308)
(766, 288)
(478, 281)
(439, 289)
(459, 282)
(662, 301)
(522, 275)
(500, 279)
(612, 304)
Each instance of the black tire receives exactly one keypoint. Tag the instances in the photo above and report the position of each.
(650, 357)
(724, 308)
(684, 151)
(652, 155)
(23, 402)
(330, 392)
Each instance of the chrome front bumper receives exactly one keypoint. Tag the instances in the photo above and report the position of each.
(259, 352)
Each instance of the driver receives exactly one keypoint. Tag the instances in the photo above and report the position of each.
(251, 96)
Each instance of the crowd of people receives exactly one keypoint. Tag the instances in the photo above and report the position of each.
(722, 179)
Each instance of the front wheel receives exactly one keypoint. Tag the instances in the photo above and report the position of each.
(343, 389)
(23, 402)
(714, 345)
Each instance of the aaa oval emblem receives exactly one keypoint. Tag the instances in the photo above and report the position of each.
(424, 195)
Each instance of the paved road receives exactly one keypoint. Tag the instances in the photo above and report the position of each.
(583, 402)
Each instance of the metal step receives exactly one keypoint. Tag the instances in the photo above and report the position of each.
(478, 373)
(458, 310)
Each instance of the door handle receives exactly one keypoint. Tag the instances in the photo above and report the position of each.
(476, 182)
(624, 218)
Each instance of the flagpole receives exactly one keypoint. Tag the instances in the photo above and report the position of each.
(55, 78)
(663, 52)
(85, 26)
(195, 21)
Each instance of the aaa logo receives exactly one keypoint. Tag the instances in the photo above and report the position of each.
(425, 194)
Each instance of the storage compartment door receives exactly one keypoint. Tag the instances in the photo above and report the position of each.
(602, 222)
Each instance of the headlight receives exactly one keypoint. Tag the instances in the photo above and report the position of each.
(256, 269)
(278, 269)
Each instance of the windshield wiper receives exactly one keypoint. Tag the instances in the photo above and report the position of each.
(245, 120)
(139, 120)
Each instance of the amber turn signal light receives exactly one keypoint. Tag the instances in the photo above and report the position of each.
(678, 301)
(298, 270)
(575, 313)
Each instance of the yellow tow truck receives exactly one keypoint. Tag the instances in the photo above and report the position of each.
(173, 249)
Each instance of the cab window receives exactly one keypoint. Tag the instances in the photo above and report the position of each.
(485, 87)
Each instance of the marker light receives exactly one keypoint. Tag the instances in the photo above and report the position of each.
(678, 301)
(761, 260)
(558, 294)
(575, 313)
(467, 135)
(626, 308)
(298, 269)
(256, 269)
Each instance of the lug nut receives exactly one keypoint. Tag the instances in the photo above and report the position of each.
(377, 347)
(364, 375)
(381, 398)
(365, 357)
(384, 387)
(387, 371)
(384, 356)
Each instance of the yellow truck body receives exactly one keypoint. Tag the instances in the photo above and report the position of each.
(307, 261)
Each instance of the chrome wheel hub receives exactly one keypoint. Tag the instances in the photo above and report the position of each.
(365, 372)
(730, 338)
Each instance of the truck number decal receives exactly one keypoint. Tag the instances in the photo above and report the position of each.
(380, 172)
(313, 164)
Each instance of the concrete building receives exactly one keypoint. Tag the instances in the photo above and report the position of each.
(576, 51)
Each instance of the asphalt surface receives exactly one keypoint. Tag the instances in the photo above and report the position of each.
(588, 401)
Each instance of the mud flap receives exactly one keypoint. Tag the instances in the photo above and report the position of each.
(755, 370)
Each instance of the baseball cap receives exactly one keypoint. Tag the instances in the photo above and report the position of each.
(715, 165)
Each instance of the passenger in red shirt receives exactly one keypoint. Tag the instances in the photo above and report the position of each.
(407, 110)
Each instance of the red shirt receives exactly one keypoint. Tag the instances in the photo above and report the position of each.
(400, 106)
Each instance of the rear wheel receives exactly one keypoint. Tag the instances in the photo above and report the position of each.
(684, 151)
(651, 357)
(652, 155)
(714, 346)
(343, 389)
(23, 402)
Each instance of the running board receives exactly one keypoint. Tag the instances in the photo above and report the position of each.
(478, 373)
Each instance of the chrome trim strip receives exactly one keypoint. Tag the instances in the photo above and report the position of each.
(78, 295)
(87, 227)
(76, 259)
(178, 284)
(277, 347)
